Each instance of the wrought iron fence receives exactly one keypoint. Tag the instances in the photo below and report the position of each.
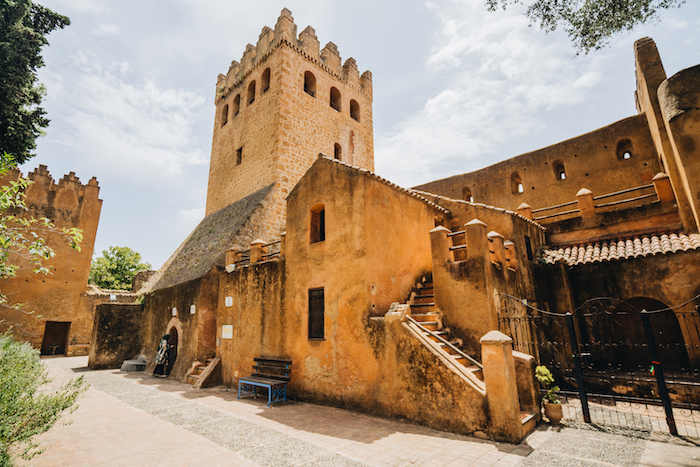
(617, 364)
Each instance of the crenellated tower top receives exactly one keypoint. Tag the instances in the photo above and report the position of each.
(306, 44)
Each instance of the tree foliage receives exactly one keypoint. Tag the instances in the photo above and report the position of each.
(116, 268)
(24, 26)
(27, 409)
(20, 235)
(590, 23)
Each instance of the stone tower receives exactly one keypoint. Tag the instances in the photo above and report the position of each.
(276, 110)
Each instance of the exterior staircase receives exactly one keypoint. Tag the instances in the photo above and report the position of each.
(429, 324)
(200, 371)
(423, 311)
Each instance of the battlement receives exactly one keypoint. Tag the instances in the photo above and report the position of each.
(47, 196)
(306, 44)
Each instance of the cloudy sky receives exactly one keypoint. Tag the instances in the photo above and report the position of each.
(456, 88)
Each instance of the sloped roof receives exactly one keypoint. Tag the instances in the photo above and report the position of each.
(207, 244)
(370, 174)
(622, 248)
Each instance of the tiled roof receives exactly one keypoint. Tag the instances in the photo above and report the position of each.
(626, 248)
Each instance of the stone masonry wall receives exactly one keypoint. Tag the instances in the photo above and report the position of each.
(284, 129)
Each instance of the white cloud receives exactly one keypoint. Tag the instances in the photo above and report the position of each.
(105, 30)
(500, 72)
(135, 127)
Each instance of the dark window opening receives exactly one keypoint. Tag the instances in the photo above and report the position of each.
(335, 99)
(251, 92)
(516, 184)
(318, 224)
(239, 155)
(467, 195)
(528, 248)
(310, 84)
(316, 312)
(624, 149)
(236, 104)
(355, 110)
(559, 170)
(265, 81)
(337, 151)
(224, 115)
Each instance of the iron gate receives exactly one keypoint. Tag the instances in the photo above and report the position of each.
(608, 372)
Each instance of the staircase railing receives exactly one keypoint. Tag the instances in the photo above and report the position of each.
(449, 344)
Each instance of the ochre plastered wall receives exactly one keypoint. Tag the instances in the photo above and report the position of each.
(285, 128)
(590, 161)
(55, 297)
(680, 104)
(650, 75)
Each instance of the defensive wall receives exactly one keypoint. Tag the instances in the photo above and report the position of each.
(52, 318)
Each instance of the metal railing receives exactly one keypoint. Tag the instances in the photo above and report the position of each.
(449, 344)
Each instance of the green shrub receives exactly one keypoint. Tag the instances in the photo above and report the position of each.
(26, 409)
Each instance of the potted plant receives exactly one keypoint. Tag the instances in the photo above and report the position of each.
(552, 404)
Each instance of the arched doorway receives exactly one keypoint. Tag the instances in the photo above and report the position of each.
(172, 352)
(670, 344)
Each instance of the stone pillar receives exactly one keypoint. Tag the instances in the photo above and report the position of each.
(585, 203)
(256, 251)
(440, 246)
(501, 387)
(525, 210)
(283, 244)
(662, 185)
(475, 233)
(511, 255)
(496, 248)
(232, 255)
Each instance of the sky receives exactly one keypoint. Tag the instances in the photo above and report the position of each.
(131, 84)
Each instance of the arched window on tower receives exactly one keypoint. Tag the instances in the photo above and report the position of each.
(516, 184)
(624, 149)
(236, 104)
(467, 195)
(310, 84)
(265, 80)
(337, 151)
(317, 231)
(559, 170)
(251, 92)
(355, 110)
(224, 115)
(335, 99)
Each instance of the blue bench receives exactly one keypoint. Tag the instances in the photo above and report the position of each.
(270, 373)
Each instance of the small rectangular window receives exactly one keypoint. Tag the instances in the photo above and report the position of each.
(316, 311)
(528, 248)
(239, 155)
(318, 225)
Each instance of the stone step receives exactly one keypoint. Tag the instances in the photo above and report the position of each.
(192, 379)
(420, 317)
(529, 421)
(430, 325)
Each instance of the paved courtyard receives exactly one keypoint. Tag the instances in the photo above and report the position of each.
(132, 419)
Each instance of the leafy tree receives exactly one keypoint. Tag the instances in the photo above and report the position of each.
(23, 29)
(20, 235)
(590, 23)
(116, 268)
(27, 409)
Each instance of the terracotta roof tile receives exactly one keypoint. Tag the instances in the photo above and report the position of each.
(627, 248)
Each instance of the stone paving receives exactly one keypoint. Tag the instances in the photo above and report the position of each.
(132, 419)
